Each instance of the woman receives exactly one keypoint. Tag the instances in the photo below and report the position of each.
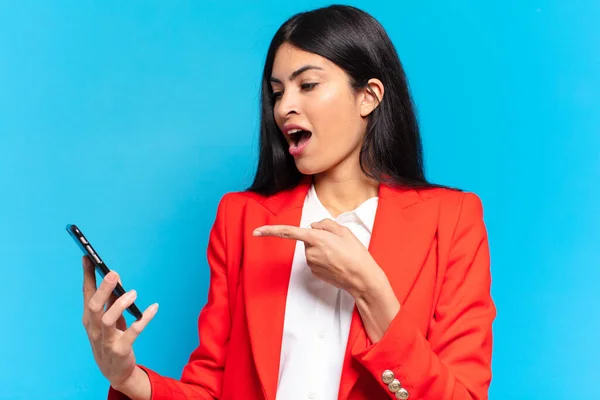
(341, 272)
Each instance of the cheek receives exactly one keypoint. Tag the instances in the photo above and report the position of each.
(336, 117)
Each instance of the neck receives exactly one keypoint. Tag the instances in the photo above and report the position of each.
(344, 190)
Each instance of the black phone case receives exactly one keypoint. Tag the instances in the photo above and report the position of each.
(101, 267)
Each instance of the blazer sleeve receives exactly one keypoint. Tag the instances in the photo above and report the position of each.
(454, 360)
(202, 375)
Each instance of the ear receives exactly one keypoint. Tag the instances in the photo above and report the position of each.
(371, 96)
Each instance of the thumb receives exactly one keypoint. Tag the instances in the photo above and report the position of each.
(329, 226)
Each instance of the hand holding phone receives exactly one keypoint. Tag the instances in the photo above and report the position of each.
(100, 266)
(111, 340)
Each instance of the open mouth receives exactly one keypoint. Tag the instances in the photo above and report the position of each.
(300, 137)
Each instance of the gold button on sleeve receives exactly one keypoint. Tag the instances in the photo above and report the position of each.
(387, 377)
(394, 386)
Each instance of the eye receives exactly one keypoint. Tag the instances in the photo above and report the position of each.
(305, 86)
(276, 95)
(308, 86)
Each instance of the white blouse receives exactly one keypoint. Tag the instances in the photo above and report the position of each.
(317, 314)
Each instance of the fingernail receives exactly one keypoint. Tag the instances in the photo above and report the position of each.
(131, 294)
(256, 233)
(154, 307)
(111, 277)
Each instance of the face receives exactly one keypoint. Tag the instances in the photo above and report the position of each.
(314, 95)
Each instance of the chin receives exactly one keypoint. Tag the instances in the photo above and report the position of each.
(307, 167)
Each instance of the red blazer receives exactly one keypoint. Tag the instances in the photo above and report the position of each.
(432, 244)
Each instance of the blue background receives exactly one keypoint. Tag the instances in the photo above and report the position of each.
(132, 119)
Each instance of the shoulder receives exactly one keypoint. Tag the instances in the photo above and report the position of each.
(451, 198)
(456, 208)
(252, 202)
(233, 204)
(242, 197)
(232, 201)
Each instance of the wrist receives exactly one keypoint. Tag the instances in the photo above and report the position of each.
(377, 305)
(137, 386)
(370, 287)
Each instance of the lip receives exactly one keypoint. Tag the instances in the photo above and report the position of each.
(297, 151)
(289, 127)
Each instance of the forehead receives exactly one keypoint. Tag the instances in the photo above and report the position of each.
(289, 58)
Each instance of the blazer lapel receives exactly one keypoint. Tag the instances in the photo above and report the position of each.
(267, 269)
(404, 227)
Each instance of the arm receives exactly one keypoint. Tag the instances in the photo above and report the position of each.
(453, 362)
(201, 378)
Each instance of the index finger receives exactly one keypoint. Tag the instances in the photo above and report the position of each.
(89, 280)
(285, 232)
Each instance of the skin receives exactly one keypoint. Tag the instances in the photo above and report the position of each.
(323, 101)
(320, 99)
(108, 334)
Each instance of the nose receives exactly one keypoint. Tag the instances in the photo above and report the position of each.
(287, 104)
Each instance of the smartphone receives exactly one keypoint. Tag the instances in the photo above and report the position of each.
(101, 267)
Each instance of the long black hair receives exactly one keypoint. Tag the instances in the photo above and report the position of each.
(353, 40)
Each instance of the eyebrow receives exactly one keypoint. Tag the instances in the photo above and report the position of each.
(297, 72)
